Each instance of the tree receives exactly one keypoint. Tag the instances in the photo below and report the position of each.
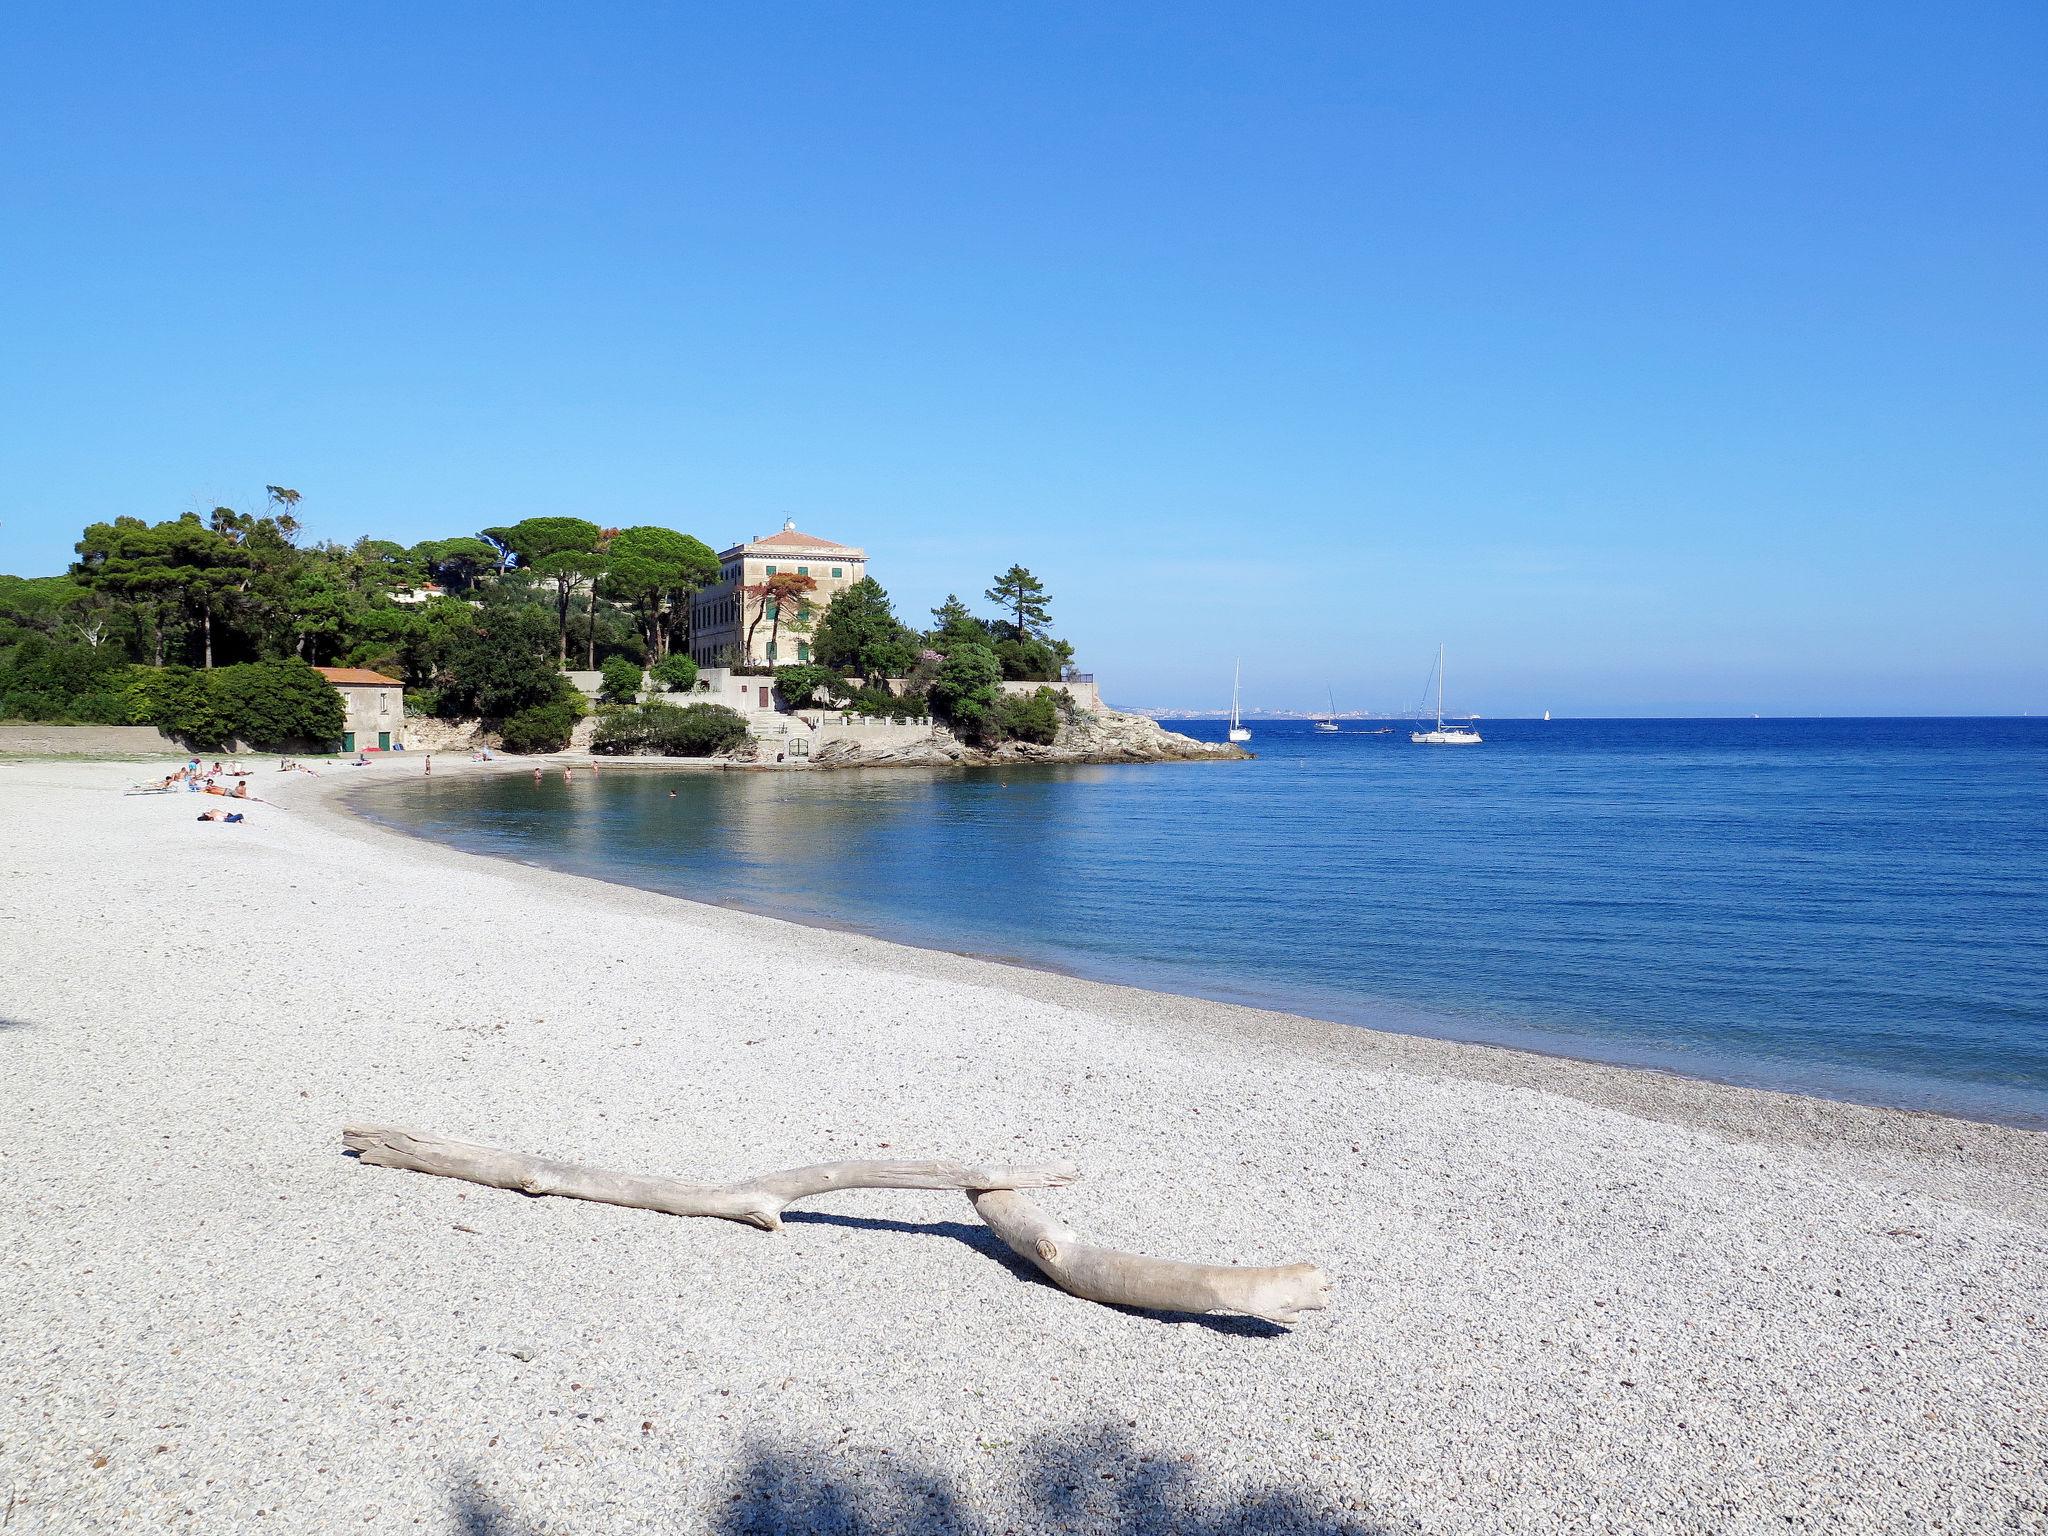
(563, 552)
(861, 634)
(954, 626)
(964, 689)
(500, 666)
(771, 597)
(1024, 598)
(457, 564)
(656, 571)
(181, 565)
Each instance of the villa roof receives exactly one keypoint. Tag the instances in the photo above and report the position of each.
(357, 677)
(789, 538)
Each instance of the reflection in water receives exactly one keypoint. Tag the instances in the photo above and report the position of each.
(1849, 907)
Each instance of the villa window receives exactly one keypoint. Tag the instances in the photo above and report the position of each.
(803, 570)
(768, 570)
(803, 651)
(771, 650)
(772, 612)
(837, 573)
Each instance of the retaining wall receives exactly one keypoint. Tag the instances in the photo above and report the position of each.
(86, 740)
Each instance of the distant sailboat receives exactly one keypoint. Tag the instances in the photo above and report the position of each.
(1546, 714)
(1237, 730)
(1455, 736)
(1328, 723)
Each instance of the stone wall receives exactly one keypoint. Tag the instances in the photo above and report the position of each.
(86, 741)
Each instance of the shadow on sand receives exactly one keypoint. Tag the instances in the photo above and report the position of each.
(1089, 1481)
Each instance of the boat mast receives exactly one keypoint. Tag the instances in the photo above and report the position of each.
(1236, 678)
(1439, 687)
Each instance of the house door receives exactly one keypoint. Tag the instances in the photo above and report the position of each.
(383, 741)
(348, 741)
(764, 700)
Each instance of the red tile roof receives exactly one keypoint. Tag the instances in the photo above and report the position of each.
(789, 538)
(354, 677)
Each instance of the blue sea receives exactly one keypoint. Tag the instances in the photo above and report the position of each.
(1851, 908)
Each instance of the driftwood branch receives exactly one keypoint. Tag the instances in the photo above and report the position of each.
(1120, 1279)
(758, 1201)
(1107, 1275)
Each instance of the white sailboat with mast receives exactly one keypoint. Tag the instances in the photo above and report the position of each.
(1237, 729)
(1442, 736)
(1327, 723)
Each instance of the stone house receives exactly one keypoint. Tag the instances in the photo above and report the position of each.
(373, 708)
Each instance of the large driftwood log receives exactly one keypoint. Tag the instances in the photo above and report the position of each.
(1120, 1279)
(757, 1201)
(1107, 1275)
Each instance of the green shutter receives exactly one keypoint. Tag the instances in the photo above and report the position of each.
(769, 570)
(771, 650)
(803, 651)
(837, 572)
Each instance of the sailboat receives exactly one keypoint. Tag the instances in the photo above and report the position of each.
(1455, 736)
(1327, 723)
(1546, 714)
(1237, 730)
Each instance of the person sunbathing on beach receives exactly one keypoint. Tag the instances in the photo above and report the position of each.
(228, 816)
(240, 791)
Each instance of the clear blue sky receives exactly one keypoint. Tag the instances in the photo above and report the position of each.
(1655, 359)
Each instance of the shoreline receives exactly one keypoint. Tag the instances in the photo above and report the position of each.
(1567, 1296)
(1611, 1094)
(1745, 1111)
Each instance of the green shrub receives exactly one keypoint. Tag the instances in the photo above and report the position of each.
(271, 705)
(1035, 718)
(808, 684)
(1032, 660)
(541, 727)
(670, 730)
(277, 704)
(621, 681)
(45, 679)
(423, 701)
(676, 672)
(964, 688)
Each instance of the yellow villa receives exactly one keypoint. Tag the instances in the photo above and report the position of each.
(729, 624)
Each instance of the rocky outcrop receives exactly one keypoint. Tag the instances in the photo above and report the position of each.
(1090, 736)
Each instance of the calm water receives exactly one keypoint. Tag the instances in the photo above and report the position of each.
(1851, 908)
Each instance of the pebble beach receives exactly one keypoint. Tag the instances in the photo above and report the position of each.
(1567, 1297)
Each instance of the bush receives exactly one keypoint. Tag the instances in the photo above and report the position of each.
(277, 704)
(1034, 719)
(676, 673)
(541, 727)
(271, 705)
(807, 684)
(1032, 660)
(621, 681)
(964, 687)
(44, 679)
(670, 730)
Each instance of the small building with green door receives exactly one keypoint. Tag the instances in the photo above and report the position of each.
(373, 708)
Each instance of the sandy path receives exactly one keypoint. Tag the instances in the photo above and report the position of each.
(1568, 1297)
